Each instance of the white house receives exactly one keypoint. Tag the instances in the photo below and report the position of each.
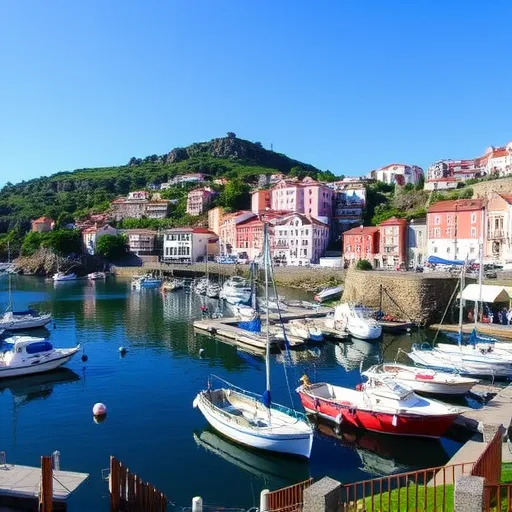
(417, 237)
(400, 174)
(91, 235)
(299, 239)
(186, 245)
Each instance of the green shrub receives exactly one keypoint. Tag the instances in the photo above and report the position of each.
(363, 265)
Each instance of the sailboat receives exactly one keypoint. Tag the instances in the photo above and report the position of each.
(27, 319)
(252, 420)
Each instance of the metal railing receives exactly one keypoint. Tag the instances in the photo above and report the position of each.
(288, 499)
(488, 464)
(498, 498)
(427, 489)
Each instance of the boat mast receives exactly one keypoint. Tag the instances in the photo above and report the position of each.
(461, 302)
(9, 304)
(267, 316)
(480, 279)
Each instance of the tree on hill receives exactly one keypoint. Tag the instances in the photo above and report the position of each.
(111, 246)
(231, 135)
(235, 195)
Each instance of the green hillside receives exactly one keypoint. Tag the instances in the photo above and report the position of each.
(83, 191)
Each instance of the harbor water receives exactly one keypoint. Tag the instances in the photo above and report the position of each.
(151, 425)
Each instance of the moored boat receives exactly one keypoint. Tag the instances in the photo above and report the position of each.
(213, 290)
(27, 319)
(95, 276)
(171, 285)
(236, 290)
(140, 282)
(354, 320)
(305, 329)
(380, 405)
(62, 276)
(28, 355)
(423, 380)
(330, 293)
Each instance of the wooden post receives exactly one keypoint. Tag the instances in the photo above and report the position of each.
(46, 496)
(114, 485)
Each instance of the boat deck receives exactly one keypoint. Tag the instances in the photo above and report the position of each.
(496, 330)
(23, 482)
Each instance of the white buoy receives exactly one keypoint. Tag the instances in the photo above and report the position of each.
(123, 350)
(197, 504)
(201, 352)
(99, 409)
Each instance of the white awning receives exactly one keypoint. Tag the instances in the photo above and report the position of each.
(490, 293)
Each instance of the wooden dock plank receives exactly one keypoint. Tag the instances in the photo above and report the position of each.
(497, 330)
(24, 482)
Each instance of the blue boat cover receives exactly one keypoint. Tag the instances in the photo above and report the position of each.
(39, 346)
(440, 261)
(251, 325)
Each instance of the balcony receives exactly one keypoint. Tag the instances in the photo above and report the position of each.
(496, 234)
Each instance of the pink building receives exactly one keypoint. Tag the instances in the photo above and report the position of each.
(43, 224)
(308, 196)
(393, 238)
(362, 243)
(261, 201)
(227, 230)
(198, 200)
(249, 237)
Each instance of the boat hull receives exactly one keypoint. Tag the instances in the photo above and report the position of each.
(364, 331)
(31, 323)
(402, 424)
(299, 445)
(39, 367)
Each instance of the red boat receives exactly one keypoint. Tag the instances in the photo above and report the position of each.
(380, 405)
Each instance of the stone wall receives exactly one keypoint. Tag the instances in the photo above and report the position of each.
(421, 298)
(306, 278)
(502, 185)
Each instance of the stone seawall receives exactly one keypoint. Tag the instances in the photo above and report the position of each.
(306, 278)
(502, 185)
(421, 298)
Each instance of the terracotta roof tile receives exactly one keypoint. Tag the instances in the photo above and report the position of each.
(456, 205)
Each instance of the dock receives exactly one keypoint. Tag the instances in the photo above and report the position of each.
(227, 328)
(496, 330)
(497, 411)
(21, 484)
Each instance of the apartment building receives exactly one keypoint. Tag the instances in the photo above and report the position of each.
(199, 199)
(187, 245)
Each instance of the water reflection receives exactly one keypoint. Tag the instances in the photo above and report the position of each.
(352, 355)
(382, 454)
(278, 469)
(37, 387)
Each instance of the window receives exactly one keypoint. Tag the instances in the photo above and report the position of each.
(437, 220)
(448, 219)
(437, 232)
(473, 232)
(471, 250)
(449, 232)
(473, 218)
(447, 250)
(435, 250)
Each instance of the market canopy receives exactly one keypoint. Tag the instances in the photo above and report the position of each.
(435, 260)
(490, 293)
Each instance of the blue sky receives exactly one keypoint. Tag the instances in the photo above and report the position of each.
(346, 85)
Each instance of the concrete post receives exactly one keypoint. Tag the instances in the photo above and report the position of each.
(264, 500)
(197, 504)
(469, 494)
(56, 460)
(489, 430)
(322, 496)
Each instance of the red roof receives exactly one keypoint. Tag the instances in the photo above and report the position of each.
(433, 180)
(456, 205)
(393, 165)
(499, 153)
(43, 219)
(204, 231)
(365, 230)
(507, 197)
(393, 221)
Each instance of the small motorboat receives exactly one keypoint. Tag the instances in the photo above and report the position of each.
(305, 329)
(213, 290)
(59, 277)
(423, 380)
(95, 276)
(330, 293)
(201, 286)
(355, 320)
(27, 355)
(236, 290)
(245, 313)
(171, 285)
(380, 405)
(27, 319)
(146, 282)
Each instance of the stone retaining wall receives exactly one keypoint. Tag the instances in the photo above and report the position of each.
(307, 278)
(502, 185)
(421, 298)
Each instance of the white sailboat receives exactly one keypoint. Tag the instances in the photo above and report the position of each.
(356, 321)
(236, 290)
(59, 277)
(27, 319)
(249, 420)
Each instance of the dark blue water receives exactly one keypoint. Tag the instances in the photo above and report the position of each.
(151, 425)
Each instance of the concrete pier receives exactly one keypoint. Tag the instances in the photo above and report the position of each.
(496, 330)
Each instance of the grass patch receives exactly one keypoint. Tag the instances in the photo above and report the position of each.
(405, 499)
(506, 473)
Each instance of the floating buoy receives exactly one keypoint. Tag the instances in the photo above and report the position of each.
(84, 358)
(99, 419)
(123, 350)
(201, 352)
(99, 409)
